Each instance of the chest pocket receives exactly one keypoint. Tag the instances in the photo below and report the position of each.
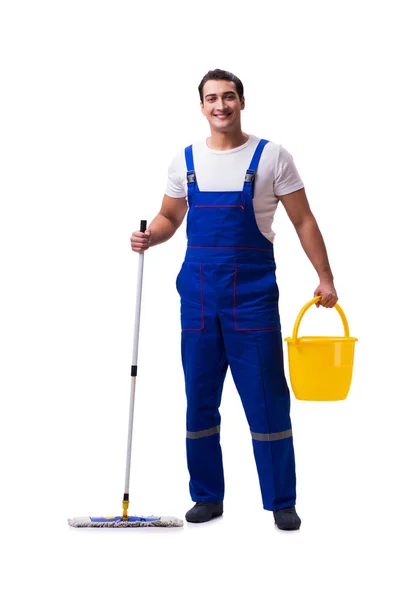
(255, 298)
(189, 284)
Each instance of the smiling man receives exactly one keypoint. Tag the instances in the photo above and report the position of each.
(229, 185)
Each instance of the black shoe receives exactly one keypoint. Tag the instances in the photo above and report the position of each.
(287, 519)
(204, 511)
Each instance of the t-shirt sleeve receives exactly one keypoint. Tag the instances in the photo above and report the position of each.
(287, 178)
(176, 184)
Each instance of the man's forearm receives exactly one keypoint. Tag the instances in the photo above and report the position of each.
(314, 246)
(162, 229)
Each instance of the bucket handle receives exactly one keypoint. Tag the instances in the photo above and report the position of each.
(307, 306)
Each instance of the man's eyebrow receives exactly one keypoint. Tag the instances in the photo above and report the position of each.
(224, 94)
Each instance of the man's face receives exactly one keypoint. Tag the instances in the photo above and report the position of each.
(221, 105)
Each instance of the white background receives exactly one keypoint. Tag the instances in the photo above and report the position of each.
(96, 97)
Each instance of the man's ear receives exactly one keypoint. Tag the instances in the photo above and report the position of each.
(202, 107)
(242, 103)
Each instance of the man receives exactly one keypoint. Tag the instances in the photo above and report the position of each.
(230, 185)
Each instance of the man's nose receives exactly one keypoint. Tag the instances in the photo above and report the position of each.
(221, 104)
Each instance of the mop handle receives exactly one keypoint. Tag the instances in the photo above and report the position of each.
(143, 226)
(125, 502)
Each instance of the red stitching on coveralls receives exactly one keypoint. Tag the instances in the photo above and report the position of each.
(219, 206)
(202, 302)
(234, 312)
(234, 247)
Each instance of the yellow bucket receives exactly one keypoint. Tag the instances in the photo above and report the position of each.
(320, 367)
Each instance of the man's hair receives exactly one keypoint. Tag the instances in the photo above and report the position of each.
(219, 74)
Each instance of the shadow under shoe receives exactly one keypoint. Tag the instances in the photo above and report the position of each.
(287, 519)
(204, 511)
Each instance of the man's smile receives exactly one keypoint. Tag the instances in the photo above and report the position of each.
(224, 116)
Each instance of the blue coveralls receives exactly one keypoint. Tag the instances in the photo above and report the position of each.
(230, 316)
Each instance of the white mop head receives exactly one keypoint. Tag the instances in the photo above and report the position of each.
(131, 522)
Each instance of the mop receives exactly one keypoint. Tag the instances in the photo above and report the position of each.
(125, 520)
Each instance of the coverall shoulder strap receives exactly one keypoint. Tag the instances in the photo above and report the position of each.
(251, 171)
(190, 175)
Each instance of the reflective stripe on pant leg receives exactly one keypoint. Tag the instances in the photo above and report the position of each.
(195, 435)
(271, 437)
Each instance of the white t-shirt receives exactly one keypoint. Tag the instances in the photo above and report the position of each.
(224, 170)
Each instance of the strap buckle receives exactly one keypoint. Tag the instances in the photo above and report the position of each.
(250, 176)
(191, 176)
